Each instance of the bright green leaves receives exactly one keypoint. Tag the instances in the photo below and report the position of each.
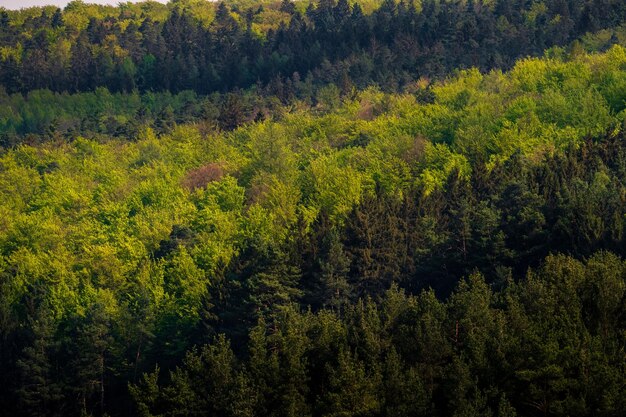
(186, 283)
(336, 188)
(439, 162)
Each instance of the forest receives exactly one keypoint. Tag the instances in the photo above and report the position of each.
(333, 208)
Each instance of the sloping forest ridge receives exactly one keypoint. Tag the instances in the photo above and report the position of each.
(261, 208)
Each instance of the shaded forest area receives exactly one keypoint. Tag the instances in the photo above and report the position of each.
(221, 210)
(233, 63)
(330, 42)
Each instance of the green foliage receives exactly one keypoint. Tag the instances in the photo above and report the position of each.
(455, 249)
(416, 355)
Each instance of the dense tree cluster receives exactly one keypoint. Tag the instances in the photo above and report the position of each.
(42, 115)
(208, 48)
(326, 209)
(381, 254)
(548, 345)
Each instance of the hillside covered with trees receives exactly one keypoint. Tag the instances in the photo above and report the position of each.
(327, 209)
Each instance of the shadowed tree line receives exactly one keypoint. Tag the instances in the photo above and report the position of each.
(281, 46)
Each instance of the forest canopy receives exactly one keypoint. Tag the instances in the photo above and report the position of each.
(216, 47)
(222, 210)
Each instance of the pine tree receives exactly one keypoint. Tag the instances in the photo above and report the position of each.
(272, 286)
(333, 274)
(351, 389)
(57, 19)
(88, 351)
(39, 390)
